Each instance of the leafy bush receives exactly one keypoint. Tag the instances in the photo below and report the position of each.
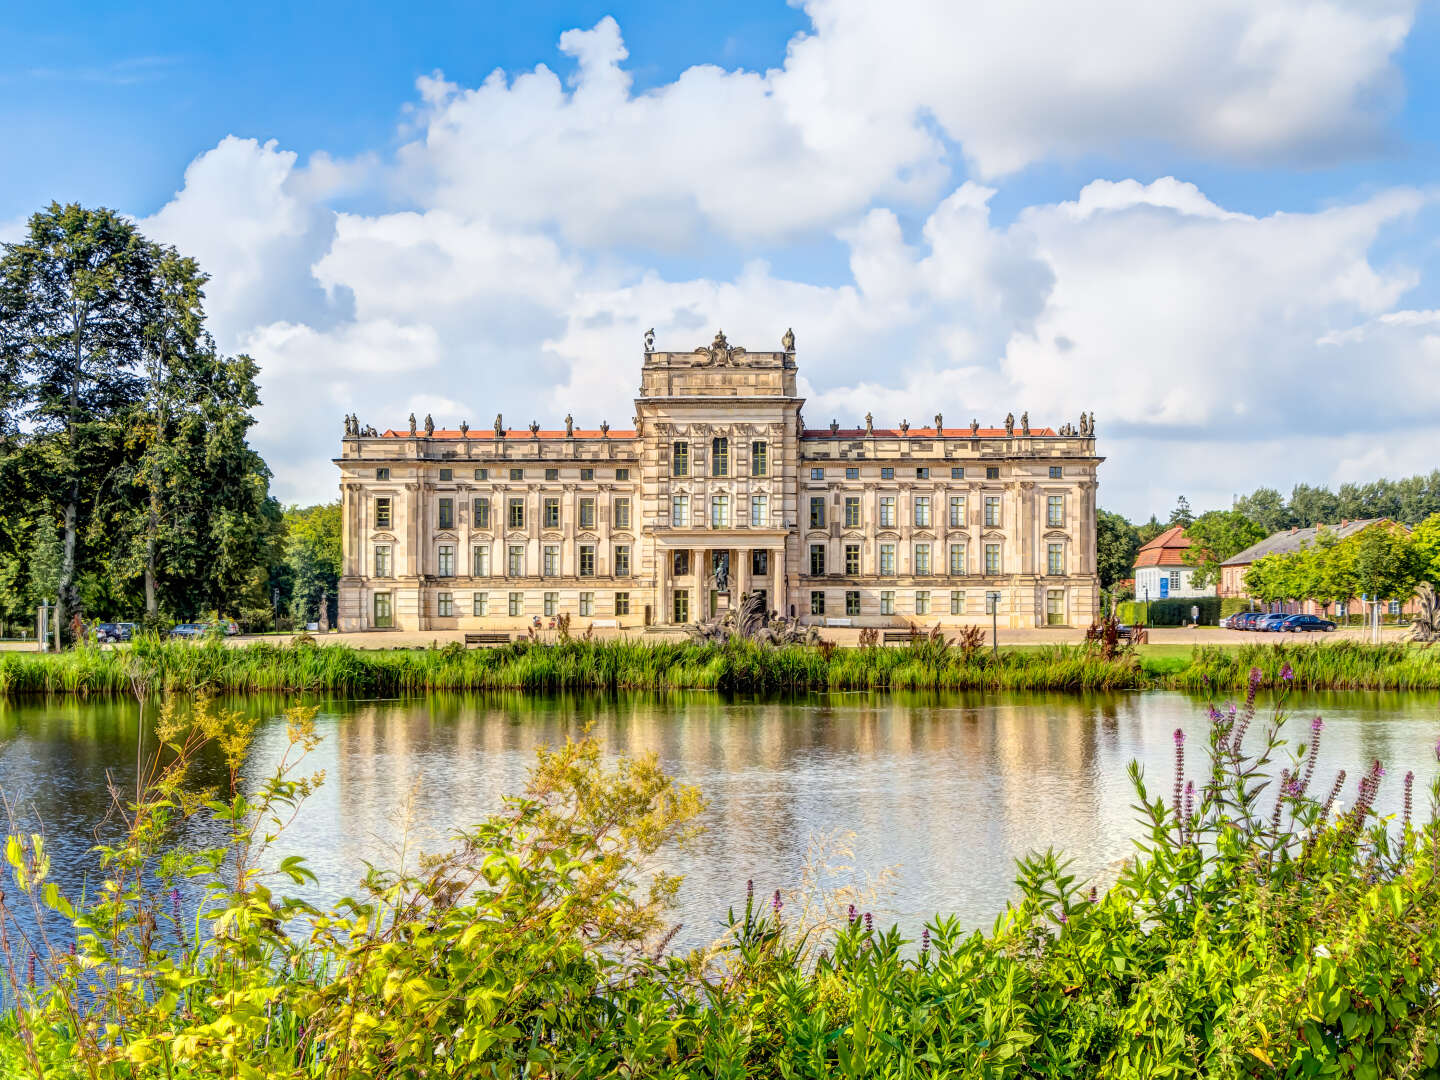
(1169, 612)
(1262, 929)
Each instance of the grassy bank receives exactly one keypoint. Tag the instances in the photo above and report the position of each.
(161, 666)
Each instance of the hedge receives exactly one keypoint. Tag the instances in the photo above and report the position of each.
(1170, 612)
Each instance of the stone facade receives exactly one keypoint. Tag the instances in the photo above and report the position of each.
(717, 490)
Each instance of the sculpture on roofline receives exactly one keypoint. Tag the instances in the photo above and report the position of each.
(788, 341)
(1025, 423)
(499, 426)
(904, 427)
(534, 429)
(604, 429)
(650, 340)
(869, 424)
(429, 425)
(412, 423)
(974, 426)
(370, 432)
(464, 429)
(939, 424)
(569, 426)
(834, 426)
(1010, 423)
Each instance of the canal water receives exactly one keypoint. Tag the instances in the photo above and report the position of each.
(926, 800)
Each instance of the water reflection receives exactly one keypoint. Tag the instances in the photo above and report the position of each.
(947, 788)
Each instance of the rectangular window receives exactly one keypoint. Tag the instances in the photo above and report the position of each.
(1055, 607)
(515, 561)
(552, 603)
(759, 562)
(384, 614)
(446, 561)
(817, 512)
(622, 513)
(957, 560)
(482, 474)
(550, 514)
(587, 560)
(382, 560)
(445, 605)
(852, 473)
(550, 561)
(480, 512)
(957, 472)
(887, 560)
(887, 603)
(992, 559)
(382, 474)
(1174, 580)
(679, 511)
(680, 459)
(383, 518)
(1056, 472)
(922, 511)
(922, 473)
(480, 561)
(622, 603)
(682, 605)
(817, 602)
(1055, 511)
(587, 513)
(852, 511)
(759, 459)
(480, 604)
(817, 560)
(991, 605)
(887, 511)
(622, 474)
(587, 474)
(817, 474)
(517, 474)
(992, 510)
(992, 472)
(852, 602)
(587, 604)
(552, 474)
(446, 509)
(622, 560)
(852, 559)
(516, 514)
(720, 457)
(447, 474)
(680, 565)
(887, 474)
(759, 511)
(922, 602)
(719, 511)
(922, 559)
(957, 511)
(957, 603)
(1055, 558)
(516, 604)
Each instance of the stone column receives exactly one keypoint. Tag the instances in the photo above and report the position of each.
(662, 578)
(777, 592)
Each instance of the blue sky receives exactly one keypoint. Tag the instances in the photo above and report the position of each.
(1216, 228)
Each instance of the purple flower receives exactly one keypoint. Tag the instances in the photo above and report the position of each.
(1094, 895)
(776, 904)
(925, 940)
(30, 972)
(1409, 788)
(853, 916)
(1287, 672)
(1179, 737)
(749, 891)
(1064, 918)
(869, 923)
(1316, 725)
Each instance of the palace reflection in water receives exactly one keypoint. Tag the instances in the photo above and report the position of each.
(947, 789)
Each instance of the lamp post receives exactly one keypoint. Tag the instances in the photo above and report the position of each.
(994, 598)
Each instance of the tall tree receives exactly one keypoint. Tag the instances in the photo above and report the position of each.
(1116, 542)
(76, 296)
(1181, 515)
(313, 553)
(1266, 507)
(1215, 536)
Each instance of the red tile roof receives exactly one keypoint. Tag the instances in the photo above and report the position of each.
(1167, 549)
(510, 434)
(919, 433)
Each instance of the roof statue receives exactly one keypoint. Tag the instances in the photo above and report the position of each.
(639, 422)
(604, 429)
(869, 424)
(650, 340)
(412, 423)
(974, 426)
(1010, 423)
(429, 425)
(834, 426)
(534, 429)
(939, 424)
(499, 426)
(904, 427)
(464, 429)
(1025, 423)
(720, 351)
(788, 341)
(569, 426)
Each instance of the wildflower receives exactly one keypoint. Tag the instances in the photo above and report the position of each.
(776, 904)
(1063, 918)
(1179, 777)
(1409, 788)
(1287, 672)
(925, 940)
(1094, 895)
(30, 969)
(869, 923)
(749, 892)
(853, 916)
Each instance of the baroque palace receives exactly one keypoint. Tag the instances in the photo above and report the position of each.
(718, 490)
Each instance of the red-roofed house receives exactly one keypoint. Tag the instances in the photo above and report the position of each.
(1161, 571)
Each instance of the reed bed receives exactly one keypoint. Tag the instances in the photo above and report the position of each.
(155, 667)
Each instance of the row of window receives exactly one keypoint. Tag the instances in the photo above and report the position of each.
(1054, 603)
(514, 513)
(445, 606)
(515, 561)
(720, 466)
(383, 473)
(922, 563)
(1054, 511)
(922, 472)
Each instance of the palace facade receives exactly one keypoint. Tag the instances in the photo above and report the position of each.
(718, 489)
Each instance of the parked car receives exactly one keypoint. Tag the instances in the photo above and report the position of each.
(1305, 623)
(1232, 622)
(1245, 620)
(1271, 623)
(112, 632)
(188, 630)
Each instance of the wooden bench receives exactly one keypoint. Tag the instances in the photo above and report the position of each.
(487, 637)
(897, 637)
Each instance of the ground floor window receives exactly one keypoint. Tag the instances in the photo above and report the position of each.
(990, 603)
(760, 562)
(922, 602)
(587, 603)
(887, 603)
(852, 602)
(622, 603)
(481, 602)
(957, 603)
(817, 603)
(552, 603)
(445, 605)
(682, 605)
(1055, 607)
(1342, 610)
(384, 615)
(517, 603)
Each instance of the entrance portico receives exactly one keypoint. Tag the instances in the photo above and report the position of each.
(756, 561)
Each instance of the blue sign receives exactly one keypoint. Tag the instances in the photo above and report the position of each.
(1164, 586)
